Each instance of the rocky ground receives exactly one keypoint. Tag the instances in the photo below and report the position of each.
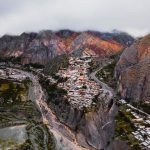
(133, 73)
(76, 108)
(22, 112)
(132, 124)
(70, 134)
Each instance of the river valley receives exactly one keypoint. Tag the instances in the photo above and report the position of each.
(68, 129)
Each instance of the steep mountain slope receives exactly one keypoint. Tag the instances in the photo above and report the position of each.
(79, 112)
(133, 71)
(41, 47)
(88, 41)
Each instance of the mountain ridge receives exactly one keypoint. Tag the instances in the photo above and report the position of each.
(41, 47)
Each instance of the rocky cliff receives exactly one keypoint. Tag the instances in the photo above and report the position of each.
(89, 128)
(93, 127)
(41, 47)
(133, 71)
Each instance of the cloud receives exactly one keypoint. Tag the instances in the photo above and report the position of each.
(131, 16)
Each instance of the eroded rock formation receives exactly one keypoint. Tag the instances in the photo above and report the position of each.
(41, 47)
(133, 71)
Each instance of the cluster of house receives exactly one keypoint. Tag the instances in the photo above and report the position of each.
(81, 90)
(142, 123)
(143, 135)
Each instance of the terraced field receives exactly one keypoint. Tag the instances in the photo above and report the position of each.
(20, 122)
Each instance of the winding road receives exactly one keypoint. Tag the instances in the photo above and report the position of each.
(102, 84)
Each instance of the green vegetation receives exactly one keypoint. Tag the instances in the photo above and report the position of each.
(37, 66)
(143, 106)
(116, 56)
(59, 78)
(106, 74)
(96, 63)
(18, 113)
(12, 92)
(93, 65)
(27, 145)
(60, 61)
(84, 87)
(15, 107)
(16, 60)
(4, 143)
(38, 137)
(125, 127)
(56, 99)
(54, 93)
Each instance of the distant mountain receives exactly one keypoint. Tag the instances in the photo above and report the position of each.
(133, 71)
(41, 47)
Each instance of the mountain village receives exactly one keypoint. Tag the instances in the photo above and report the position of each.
(81, 90)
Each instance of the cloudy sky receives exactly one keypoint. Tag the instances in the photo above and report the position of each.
(132, 16)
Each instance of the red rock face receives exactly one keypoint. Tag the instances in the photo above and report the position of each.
(133, 70)
(99, 46)
(144, 48)
(41, 47)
